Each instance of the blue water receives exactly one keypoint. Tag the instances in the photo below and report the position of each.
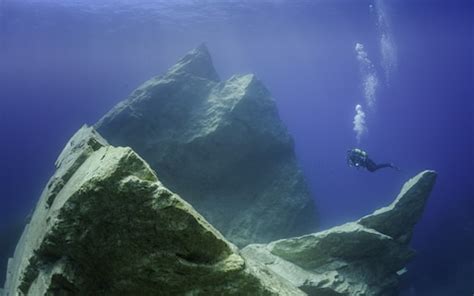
(65, 63)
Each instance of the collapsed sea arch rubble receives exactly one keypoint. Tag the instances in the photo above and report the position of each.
(219, 144)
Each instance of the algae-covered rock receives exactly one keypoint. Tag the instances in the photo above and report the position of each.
(220, 145)
(105, 225)
(364, 257)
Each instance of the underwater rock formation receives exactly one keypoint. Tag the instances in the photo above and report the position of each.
(219, 144)
(105, 225)
(365, 257)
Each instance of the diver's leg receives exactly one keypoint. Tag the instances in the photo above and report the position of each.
(372, 166)
(385, 165)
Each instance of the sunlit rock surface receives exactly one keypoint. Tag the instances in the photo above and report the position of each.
(105, 225)
(220, 145)
(365, 257)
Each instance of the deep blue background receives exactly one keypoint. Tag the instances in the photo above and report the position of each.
(63, 66)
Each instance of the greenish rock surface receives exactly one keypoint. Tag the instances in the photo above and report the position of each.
(105, 225)
(219, 144)
(365, 257)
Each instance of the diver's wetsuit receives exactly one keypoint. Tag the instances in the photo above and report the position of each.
(359, 158)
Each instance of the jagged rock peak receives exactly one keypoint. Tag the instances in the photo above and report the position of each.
(398, 219)
(86, 135)
(197, 62)
(365, 257)
(222, 146)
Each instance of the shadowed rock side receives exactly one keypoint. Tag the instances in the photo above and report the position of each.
(220, 145)
(105, 225)
(365, 257)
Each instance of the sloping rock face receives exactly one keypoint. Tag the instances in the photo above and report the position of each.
(105, 225)
(220, 145)
(365, 257)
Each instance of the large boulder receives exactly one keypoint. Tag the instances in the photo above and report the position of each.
(105, 225)
(365, 257)
(219, 144)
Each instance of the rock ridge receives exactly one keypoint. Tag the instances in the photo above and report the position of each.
(365, 257)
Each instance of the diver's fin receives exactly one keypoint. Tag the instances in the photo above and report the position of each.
(394, 167)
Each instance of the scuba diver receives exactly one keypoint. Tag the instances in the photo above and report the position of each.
(359, 158)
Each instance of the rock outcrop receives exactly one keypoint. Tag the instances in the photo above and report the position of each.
(105, 225)
(220, 145)
(365, 257)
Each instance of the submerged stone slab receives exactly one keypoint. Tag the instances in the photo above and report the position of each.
(105, 225)
(219, 144)
(365, 257)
